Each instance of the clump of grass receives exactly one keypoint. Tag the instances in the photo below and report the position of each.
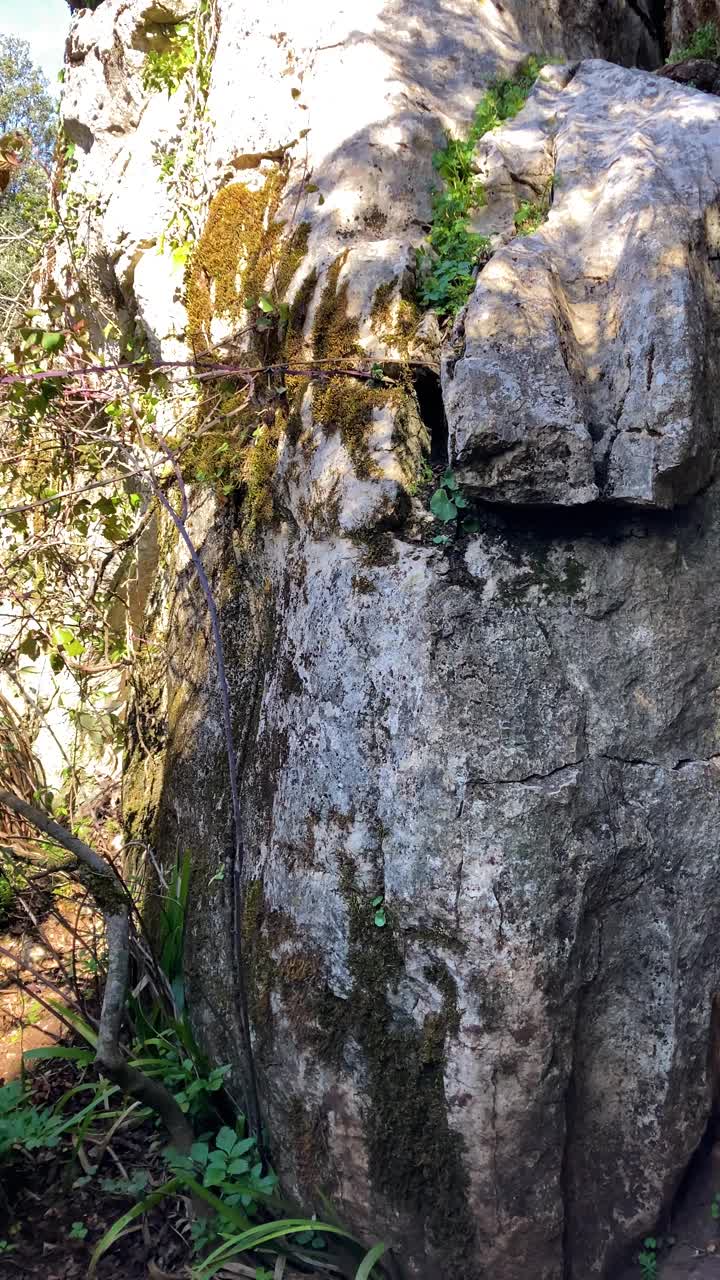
(447, 263)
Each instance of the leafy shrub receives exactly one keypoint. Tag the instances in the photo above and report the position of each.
(167, 68)
(447, 265)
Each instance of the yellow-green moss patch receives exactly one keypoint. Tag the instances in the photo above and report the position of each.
(234, 255)
(335, 332)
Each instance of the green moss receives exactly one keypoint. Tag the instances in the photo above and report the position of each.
(240, 256)
(375, 220)
(234, 255)
(394, 318)
(491, 999)
(377, 546)
(344, 404)
(381, 308)
(415, 1160)
(348, 405)
(335, 333)
(296, 389)
(292, 252)
(298, 314)
(308, 1132)
(541, 574)
(259, 469)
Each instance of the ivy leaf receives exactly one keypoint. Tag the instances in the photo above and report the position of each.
(442, 506)
(380, 918)
(376, 901)
(449, 481)
(267, 305)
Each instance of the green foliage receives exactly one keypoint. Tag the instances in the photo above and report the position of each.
(447, 505)
(230, 1167)
(379, 913)
(529, 215)
(715, 1207)
(703, 43)
(23, 1127)
(25, 105)
(166, 68)
(131, 1187)
(647, 1258)
(78, 1231)
(7, 897)
(447, 265)
(182, 1072)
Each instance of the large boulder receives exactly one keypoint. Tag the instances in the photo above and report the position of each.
(586, 364)
(512, 743)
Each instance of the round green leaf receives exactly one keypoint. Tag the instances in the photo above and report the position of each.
(442, 507)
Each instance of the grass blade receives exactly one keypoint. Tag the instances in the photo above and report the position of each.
(261, 1235)
(364, 1271)
(80, 1025)
(48, 1052)
(116, 1230)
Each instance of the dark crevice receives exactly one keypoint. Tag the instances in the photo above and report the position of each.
(432, 411)
(652, 18)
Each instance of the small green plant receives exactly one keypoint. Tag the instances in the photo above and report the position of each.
(715, 1207)
(379, 918)
(7, 1247)
(132, 1187)
(448, 263)
(529, 215)
(166, 68)
(647, 1258)
(78, 1231)
(447, 505)
(24, 1127)
(163, 1057)
(703, 43)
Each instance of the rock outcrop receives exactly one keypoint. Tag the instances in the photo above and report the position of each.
(513, 742)
(586, 364)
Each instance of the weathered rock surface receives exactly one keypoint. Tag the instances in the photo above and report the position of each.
(515, 743)
(586, 365)
(626, 31)
(683, 17)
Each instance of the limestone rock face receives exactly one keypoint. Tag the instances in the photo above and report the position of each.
(514, 742)
(560, 390)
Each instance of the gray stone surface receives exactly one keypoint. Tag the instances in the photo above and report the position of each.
(586, 363)
(516, 742)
